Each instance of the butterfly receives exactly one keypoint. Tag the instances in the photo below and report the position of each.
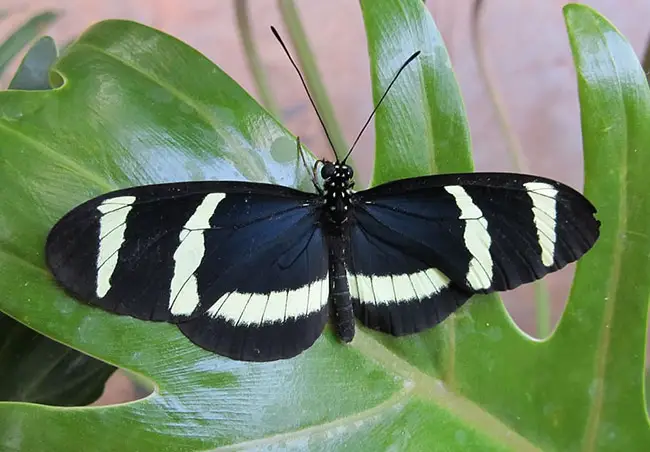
(254, 271)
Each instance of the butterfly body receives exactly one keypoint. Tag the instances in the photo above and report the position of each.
(337, 182)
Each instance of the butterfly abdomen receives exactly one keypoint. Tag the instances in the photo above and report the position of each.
(339, 296)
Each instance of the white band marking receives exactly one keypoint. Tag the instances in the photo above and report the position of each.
(477, 239)
(183, 291)
(407, 287)
(250, 309)
(543, 197)
(112, 226)
(297, 302)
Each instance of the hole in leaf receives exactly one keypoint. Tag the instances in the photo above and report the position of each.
(40, 370)
(122, 387)
(527, 303)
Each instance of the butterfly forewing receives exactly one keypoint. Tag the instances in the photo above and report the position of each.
(483, 231)
(241, 254)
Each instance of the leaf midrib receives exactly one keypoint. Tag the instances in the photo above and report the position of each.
(431, 389)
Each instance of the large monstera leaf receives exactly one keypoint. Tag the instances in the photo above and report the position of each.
(136, 106)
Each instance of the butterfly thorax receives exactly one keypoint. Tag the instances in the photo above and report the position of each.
(337, 190)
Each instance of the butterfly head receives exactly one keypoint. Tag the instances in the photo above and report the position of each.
(336, 171)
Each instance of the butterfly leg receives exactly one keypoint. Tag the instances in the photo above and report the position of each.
(312, 171)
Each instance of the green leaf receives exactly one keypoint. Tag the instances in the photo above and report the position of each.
(142, 107)
(135, 118)
(36, 368)
(421, 128)
(23, 36)
(609, 344)
(33, 72)
(583, 388)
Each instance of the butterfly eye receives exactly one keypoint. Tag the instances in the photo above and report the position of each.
(348, 172)
(328, 170)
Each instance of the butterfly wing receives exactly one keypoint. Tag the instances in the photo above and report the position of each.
(421, 247)
(241, 267)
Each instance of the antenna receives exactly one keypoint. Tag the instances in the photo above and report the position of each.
(304, 84)
(399, 71)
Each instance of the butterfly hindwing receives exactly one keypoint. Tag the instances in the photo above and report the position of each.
(460, 234)
(273, 303)
(394, 288)
(171, 252)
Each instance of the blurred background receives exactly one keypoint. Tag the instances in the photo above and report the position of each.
(512, 60)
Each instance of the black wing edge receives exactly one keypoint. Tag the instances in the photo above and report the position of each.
(263, 343)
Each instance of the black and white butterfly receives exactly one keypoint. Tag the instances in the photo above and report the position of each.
(253, 271)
